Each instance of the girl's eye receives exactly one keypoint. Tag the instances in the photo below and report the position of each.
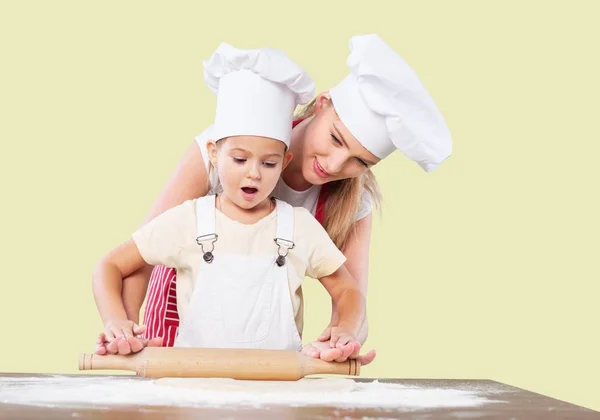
(270, 164)
(239, 160)
(335, 140)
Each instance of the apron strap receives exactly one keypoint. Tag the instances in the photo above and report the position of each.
(322, 200)
(205, 226)
(284, 237)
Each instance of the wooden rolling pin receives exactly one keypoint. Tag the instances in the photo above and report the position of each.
(245, 364)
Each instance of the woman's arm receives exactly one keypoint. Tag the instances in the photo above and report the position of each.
(188, 181)
(357, 263)
(348, 296)
(349, 303)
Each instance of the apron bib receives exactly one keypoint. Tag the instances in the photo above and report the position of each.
(241, 301)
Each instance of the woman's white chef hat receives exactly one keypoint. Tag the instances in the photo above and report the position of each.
(257, 91)
(386, 107)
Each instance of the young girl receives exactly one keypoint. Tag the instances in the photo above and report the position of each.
(240, 254)
(380, 106)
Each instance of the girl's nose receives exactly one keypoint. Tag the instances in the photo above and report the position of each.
(254, 172)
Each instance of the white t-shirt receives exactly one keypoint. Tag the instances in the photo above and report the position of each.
(307, 199)
(170, 239)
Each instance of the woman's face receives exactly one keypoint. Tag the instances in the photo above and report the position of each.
(329, 151)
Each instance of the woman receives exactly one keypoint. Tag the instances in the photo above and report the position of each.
(381, 106)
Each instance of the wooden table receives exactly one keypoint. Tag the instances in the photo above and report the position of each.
(517, 404)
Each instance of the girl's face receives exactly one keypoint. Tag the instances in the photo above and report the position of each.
(329, 151)
(248, 167)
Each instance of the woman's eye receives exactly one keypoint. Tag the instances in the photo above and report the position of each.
(362, 162)
(335, 139)
(239, 160)
(270, 164)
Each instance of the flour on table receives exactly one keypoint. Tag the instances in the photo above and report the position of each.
(304, 385)
(105, 392)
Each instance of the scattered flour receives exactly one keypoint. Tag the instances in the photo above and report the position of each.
(104, 392)
(303, 385)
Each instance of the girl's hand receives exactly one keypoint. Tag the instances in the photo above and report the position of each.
(322, 350)
(123, 337)
(113, 347)
(122, 329)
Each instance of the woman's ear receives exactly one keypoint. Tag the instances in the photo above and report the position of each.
(211, 147)
(323, 100)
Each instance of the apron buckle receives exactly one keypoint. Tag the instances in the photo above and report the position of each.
(285, 244)
(280, 261)
(208, 256)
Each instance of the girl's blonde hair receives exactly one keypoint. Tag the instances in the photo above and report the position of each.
(344, 197)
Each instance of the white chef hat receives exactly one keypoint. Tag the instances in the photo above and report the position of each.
(257, 91)
(386, 107)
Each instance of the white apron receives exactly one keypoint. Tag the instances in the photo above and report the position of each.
(241, 301)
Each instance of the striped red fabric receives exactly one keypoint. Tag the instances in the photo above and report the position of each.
(161, 317)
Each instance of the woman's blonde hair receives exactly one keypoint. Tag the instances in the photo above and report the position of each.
(344, 197)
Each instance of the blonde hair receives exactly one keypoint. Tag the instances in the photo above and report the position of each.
(344, 197)
(212, 180)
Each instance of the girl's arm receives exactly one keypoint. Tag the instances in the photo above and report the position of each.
(188, 181)
(159, 241)
(107, 282)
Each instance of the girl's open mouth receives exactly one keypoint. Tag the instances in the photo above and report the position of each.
(249, 193)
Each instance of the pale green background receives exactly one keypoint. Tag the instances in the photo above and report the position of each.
(487, 268)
